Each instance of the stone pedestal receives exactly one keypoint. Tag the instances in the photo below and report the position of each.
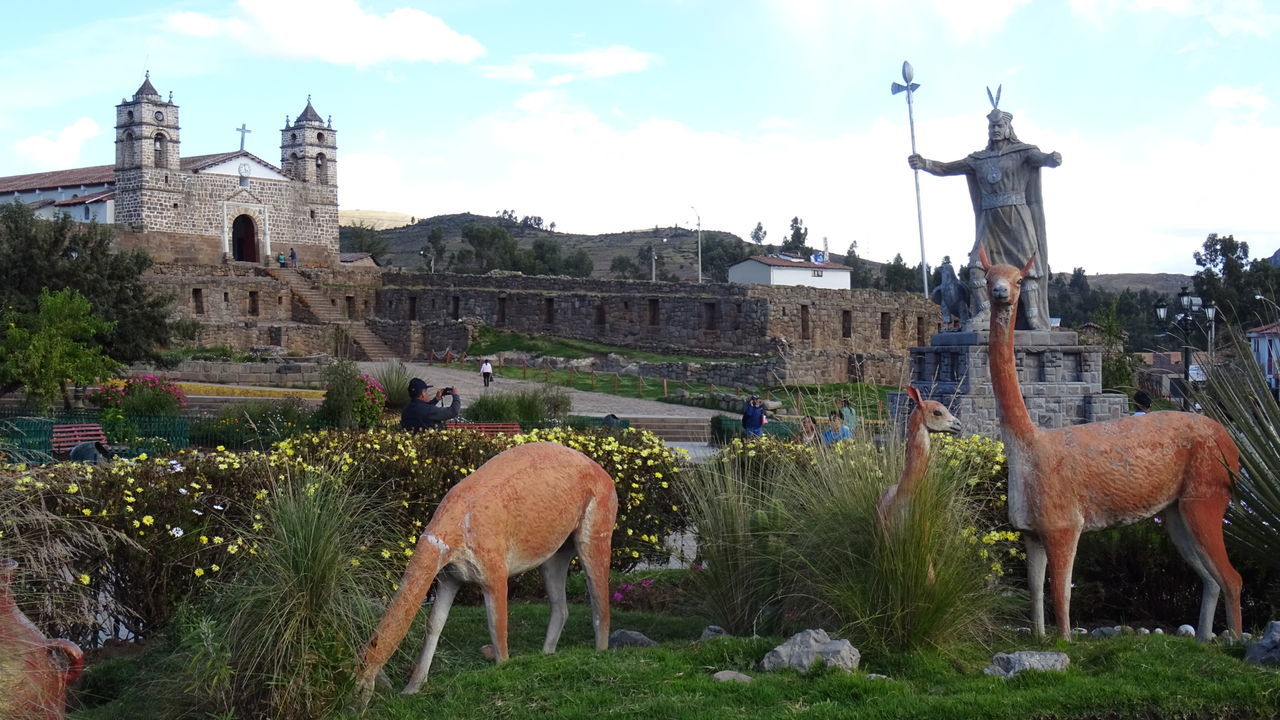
(1061, 380)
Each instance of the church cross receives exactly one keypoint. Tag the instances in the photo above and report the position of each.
(243, 130)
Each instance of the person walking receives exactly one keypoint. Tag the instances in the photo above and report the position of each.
(753, 417)
(486, 371)
(422, 414)
(293, 258)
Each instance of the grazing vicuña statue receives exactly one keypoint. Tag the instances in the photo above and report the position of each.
(1100, 475)
(929, 416)
(530, 506)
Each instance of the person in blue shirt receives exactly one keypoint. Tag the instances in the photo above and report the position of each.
(849, 417)
(836, 431)
(753, 417)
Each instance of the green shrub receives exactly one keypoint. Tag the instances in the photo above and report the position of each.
(255, 424)
(352, 400)
(394, 378)
(531, 408)
(144, 395)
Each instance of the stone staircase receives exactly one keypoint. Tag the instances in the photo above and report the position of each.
(674, 429)
(368, 344)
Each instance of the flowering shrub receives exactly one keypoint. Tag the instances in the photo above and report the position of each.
(140, 395)
(352, 400)
(178, 517)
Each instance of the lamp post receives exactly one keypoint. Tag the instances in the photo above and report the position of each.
(695, 214)
(1185, 321)
(653, 261)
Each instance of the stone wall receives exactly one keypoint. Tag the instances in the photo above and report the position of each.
(220, 294)
(283, 372)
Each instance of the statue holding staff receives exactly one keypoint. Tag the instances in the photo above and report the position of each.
(1004, 186)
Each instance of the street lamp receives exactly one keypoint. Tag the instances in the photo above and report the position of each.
(1185, 321)
(653, 261)
(695, 213)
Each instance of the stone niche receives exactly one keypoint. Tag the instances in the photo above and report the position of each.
(1061, 380)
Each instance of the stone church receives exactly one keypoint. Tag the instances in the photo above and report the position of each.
(229, 207)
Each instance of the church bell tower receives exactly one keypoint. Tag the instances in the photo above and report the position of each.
(147, 159)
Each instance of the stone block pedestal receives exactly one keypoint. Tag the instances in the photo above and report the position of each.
(1061, 380)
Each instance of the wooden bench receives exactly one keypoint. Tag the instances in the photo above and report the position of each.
(66, 437)
(493, 428)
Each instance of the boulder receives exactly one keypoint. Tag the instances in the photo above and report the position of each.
(628, 638)
(1009, 664)
(806, 647)
(1105, 632)
(713, 631)
(1186, 631)
(1158, 631)
(732, 676)
(1266, 650)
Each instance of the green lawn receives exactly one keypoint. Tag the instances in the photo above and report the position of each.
(1128, 677)
(492, 341)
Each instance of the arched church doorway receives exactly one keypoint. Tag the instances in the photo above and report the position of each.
(244, 239)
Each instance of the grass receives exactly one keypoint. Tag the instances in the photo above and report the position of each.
(1127, 677)
(492, 341)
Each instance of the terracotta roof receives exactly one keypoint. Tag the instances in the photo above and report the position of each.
(782, 262)
(309, 114)
(354, 257)
(95, 175)
(101, 196)
(39, 204)
(1268, 329)
(200, 162)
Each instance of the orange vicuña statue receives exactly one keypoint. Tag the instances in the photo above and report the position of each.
(929, 416)
(1106, 474)
(530, 506)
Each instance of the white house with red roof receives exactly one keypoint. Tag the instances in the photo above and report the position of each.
(1264, 341)
(203, 209)
(790, 270)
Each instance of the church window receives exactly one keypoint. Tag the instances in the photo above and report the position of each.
(320, 138)
(313, 214)
(197, 300)
(226, 298)
(293, 138)
(130, 116)
(322, 170)
(166, 179)
(129, 158)
(162, 151)
(86, 213)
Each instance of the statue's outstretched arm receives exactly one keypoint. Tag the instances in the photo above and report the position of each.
(933, 167)
(1041, 159)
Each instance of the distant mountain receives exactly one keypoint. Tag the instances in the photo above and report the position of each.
(376, 219)
(1163, 283)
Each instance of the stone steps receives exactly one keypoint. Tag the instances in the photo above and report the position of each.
(373, 348)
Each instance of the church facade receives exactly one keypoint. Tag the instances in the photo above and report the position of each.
(231, 207)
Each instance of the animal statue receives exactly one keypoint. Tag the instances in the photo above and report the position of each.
(1070, 480)
(530, 506)
(952, 296)
(928, 417)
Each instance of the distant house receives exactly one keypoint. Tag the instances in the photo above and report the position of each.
(357, 259)
(790, 270)
(1264, 341)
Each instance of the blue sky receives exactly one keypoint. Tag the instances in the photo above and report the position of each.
(609, 115)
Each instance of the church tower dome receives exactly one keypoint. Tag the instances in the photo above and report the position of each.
(309, 148)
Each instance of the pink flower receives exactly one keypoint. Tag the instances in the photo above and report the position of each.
(617, 597)
(647, 581)
(625, 587)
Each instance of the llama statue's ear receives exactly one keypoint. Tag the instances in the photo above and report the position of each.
(1030, 262)
(914, 394)
(982, 257)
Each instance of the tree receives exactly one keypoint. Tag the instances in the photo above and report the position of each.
(860, 274)
(1118, 366)
(492, 248)
(578, 264)
(41, 351)
(799, 236)
(758, 235)
(898, 277)
(1231, 280)
(62, 253)
(1079, 281)
(720, 252)
(624, 268)
(434, 250)
(362, 238)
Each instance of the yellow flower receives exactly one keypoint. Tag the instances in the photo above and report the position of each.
(204, 540)
(215, 568)
(148, 520)
(386, 553)
(233, 549)
(355, 562)
(84, 579)
(72, 488)
(199, 572)
(86, 511)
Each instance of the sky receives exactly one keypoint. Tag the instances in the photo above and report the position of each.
(612, 115)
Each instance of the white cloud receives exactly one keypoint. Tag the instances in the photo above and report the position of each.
(334, 31)
(971, 21)
(1226, 17)
(1230, 98)
(57, 150)
(596, 63)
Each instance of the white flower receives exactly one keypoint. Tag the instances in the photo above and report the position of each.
(176, 532)
(175, 466)
(182, 491)
(196, 511)
(218, 507)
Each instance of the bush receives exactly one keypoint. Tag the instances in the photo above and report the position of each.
(140, 395)
(394, 379)
(177, 521)
(531, 408)
(788, 536)
(352, 400)
(256, 424)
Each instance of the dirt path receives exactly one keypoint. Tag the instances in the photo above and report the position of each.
(469, 385)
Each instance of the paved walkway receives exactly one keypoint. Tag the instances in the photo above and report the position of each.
(470, 385)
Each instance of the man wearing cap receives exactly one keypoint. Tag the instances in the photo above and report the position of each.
(422, 414)
(1004, 186)
(753, 417)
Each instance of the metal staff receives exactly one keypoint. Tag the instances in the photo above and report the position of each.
(907, 74)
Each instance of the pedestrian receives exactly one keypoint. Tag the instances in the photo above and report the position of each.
(753, 417)
(847, 415)
(836, 431)
(422, 414)
(486, 371)
(1141, 403)
(293, 258)
(281, 259)
(809, 434)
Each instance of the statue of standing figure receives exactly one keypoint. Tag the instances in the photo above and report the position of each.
(1004, 186)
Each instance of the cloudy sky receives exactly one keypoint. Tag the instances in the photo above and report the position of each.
(613, 115)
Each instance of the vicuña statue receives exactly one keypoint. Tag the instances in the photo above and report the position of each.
(530, 506)
(1099, 475)
(929, 416)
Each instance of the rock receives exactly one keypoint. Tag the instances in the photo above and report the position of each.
(806, 647)
(486, 652)
(1126, 630)
(1186, 631)
(877, 676)
(1023, 631)
(628, 638)
(732, 676)
(1105, 632)
(1265, 651)
(1079, 631)
(713, 631)
(1158, 631)
(1007, 665)
(1144, 631)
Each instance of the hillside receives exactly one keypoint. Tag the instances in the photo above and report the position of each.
(376, 219)
(1164, 283)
